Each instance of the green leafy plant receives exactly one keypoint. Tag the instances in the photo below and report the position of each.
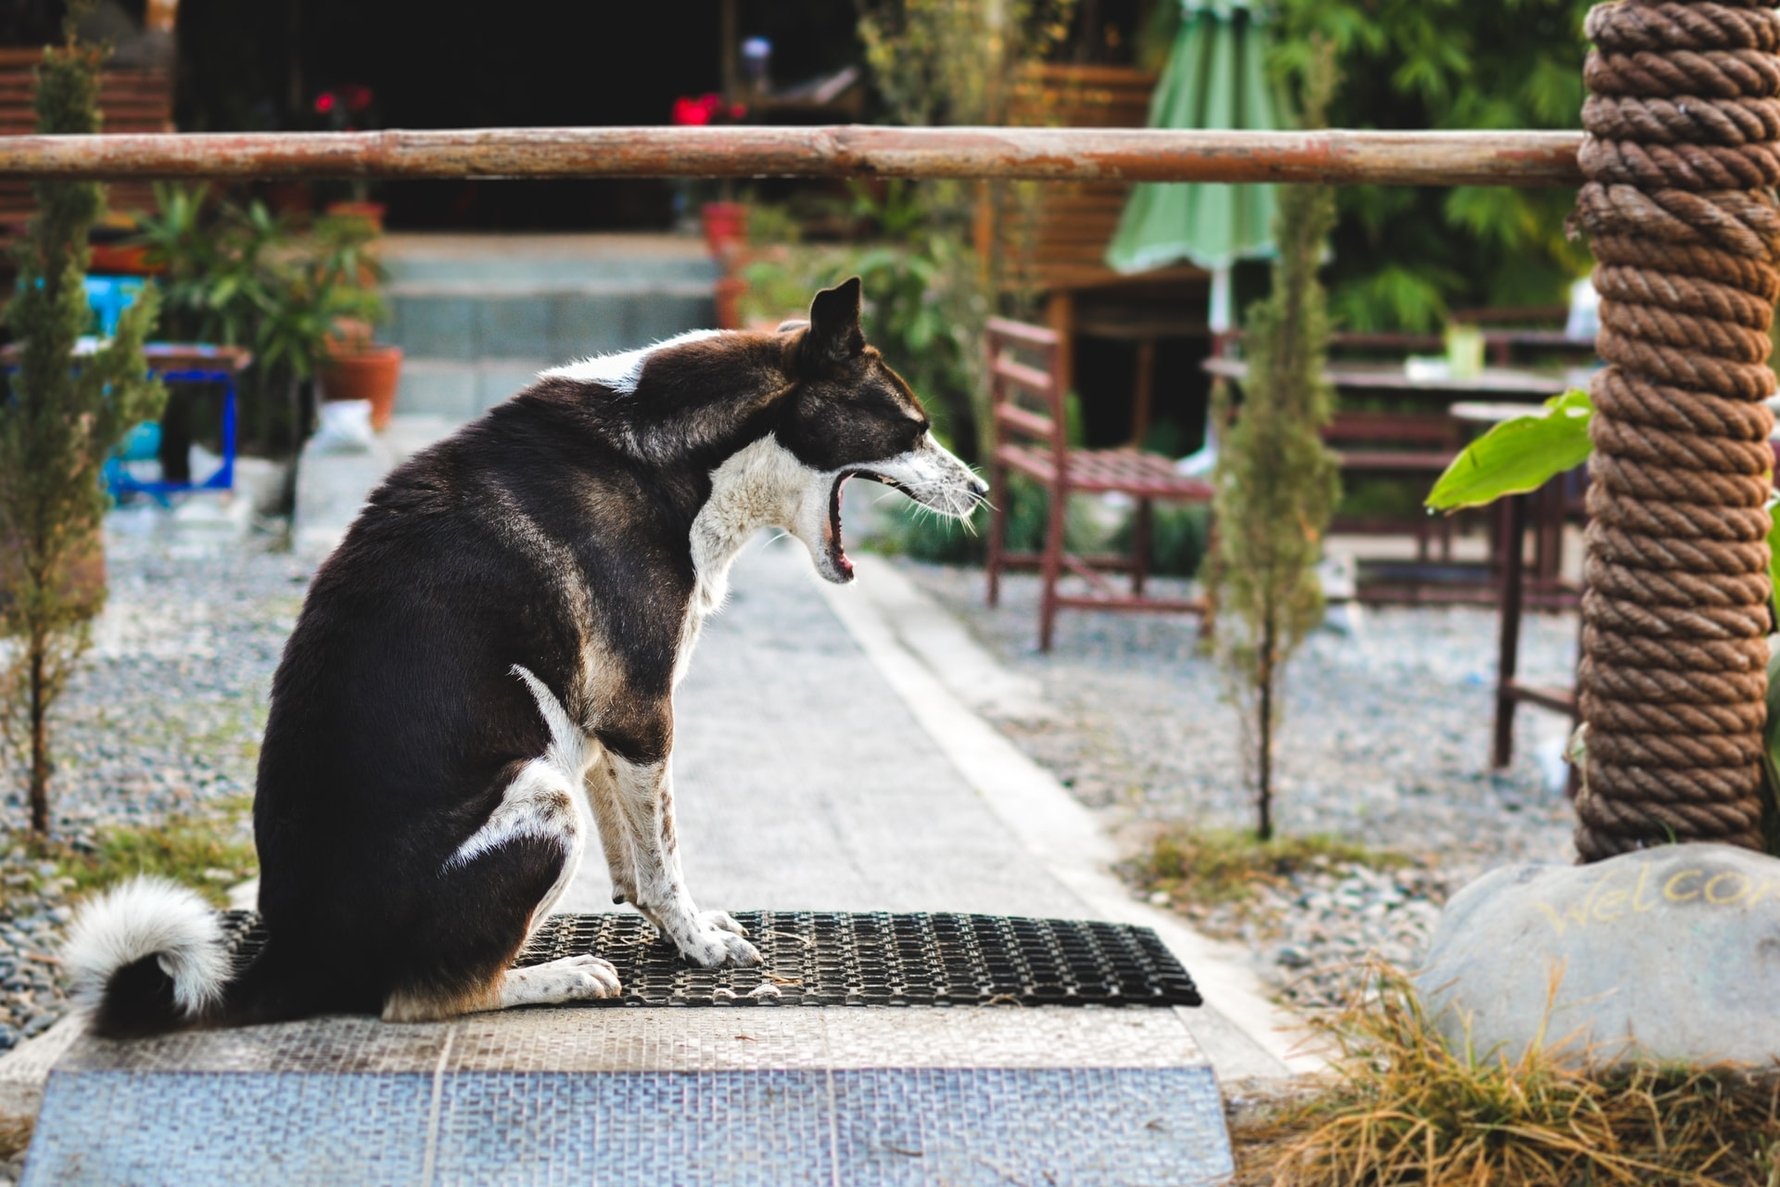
(1203, 866)
(62, 415)
(208, 852)
(954, 61)
(239, 275)
(1518, 455)
(1179, 539)
(1403, 257)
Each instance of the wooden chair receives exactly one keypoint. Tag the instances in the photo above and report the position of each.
(1028, 429)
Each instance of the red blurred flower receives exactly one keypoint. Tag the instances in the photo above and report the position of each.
(356, 97)
(324, 102)
(699, 110)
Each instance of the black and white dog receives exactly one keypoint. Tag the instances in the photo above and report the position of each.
(500, 633)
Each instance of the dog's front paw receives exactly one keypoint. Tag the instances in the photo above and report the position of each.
(570, 979)
(589, 978)
(715, 939)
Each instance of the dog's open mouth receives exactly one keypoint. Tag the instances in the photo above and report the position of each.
(837, 551)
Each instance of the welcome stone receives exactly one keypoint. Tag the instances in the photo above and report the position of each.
(1668, 954)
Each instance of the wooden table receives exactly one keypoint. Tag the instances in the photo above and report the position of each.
(190, 362)
(1490, 383)
(1416, 444)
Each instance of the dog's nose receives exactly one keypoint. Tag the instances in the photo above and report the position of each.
(979, 489)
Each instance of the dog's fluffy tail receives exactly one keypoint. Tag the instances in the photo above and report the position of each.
(148, 957)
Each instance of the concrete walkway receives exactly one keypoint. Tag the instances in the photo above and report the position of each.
(803, 781)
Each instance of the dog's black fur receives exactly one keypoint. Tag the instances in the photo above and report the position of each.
(397, 721)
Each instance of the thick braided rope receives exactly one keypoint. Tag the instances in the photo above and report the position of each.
(1682, 152)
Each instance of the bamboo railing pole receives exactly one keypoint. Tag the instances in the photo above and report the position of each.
(1515, 158)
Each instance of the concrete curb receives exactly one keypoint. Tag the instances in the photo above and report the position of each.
(927, 658)
(24, 1069)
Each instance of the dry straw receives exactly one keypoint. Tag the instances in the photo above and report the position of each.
(1399, 1107)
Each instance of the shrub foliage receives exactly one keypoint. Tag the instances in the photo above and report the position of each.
(60, 418)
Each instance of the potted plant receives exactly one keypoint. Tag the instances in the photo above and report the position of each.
(240, 276)
(353, 367)
(341, 278)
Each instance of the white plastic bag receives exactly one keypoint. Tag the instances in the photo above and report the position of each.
(345, 427)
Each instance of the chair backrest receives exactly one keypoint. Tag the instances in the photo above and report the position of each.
(1396, 429)
(1054, 236)
(1025, 389)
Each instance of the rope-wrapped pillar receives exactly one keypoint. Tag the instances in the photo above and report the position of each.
(1682, 121)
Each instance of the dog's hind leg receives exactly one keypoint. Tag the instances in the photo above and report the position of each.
(645, 800)
(490, 894)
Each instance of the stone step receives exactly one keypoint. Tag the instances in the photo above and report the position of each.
(745, 1096)
(546, 260)
(464, 320)
(459, 389)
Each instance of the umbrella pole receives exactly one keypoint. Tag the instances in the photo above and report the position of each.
(1221, 317)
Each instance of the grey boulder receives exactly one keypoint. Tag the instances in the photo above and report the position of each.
(1666, 954)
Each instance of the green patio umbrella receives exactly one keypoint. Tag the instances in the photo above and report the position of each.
(1215, 78)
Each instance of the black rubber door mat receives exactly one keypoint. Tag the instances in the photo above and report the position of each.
(825, 958)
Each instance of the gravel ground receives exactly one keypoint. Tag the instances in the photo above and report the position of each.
(1385, 743)
(163, 718)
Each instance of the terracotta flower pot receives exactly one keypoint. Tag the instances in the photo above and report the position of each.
(129, 259)
(371, 212)
(363, 373)
(729, 291)
(726, 226)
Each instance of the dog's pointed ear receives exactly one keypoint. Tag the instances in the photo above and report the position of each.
(834, 334)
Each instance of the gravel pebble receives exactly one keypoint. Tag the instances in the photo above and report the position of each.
(162, 718)
(1385, 742)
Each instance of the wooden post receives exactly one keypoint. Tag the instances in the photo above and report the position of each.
(1682, 217)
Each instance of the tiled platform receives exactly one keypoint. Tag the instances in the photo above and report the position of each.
(775, 1097)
